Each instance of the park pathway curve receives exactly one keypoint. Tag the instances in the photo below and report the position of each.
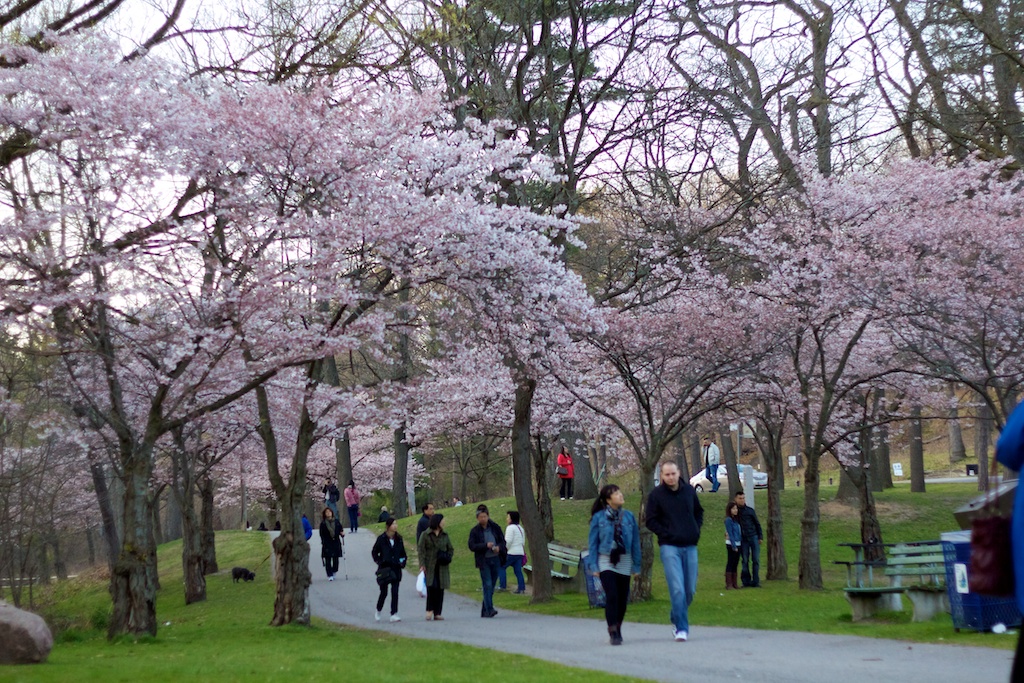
(713, 654)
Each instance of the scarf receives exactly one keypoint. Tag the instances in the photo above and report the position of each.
(332, 528)
(615, 516)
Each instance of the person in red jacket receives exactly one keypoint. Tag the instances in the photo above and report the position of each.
(566, 473)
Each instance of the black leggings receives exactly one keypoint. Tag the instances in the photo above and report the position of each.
(331, 564)
(616, 592)
(733, 560)
(384, 594)
(565, 490)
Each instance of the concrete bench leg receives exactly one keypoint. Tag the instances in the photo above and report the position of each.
(928, 604)
(866, 606)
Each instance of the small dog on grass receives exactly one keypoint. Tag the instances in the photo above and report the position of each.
(241, 573)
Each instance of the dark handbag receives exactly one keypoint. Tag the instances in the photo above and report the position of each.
(561, 470)
(385, 575)
(991, 571)
(444, 557)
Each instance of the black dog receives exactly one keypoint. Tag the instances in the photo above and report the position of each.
(242, 573)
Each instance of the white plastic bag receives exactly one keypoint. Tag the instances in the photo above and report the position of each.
(421, 584)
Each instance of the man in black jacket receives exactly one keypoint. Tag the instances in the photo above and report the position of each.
(424, 522)
(750, 545)
(487, 542)
(675, 516)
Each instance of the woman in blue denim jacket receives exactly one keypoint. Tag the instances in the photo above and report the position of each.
(733, 538)
(615, 548)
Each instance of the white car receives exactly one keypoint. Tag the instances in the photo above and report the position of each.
(701, 483)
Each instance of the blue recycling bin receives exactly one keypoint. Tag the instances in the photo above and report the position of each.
(971, 610)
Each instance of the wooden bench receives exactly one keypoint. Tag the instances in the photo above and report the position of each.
(874, 586)
(566, 569)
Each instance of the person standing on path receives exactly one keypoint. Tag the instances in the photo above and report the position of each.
(675, 516)
(331, 496)
(331, 534)
(750, 547)
(712, 458)
(733, 539)
(389, 555)
(566, 473)
(615, 542)
(515, 543)
(488, 546)
(435, 553)
(424, 521)
(352, 497)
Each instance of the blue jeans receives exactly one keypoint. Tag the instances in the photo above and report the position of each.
(488, 577)
(750, 551)
(681, 576)
(516, 562)
(712, 474)
(353, 517)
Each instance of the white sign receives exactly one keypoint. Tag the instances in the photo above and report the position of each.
(897, 469)
(960, 572)
(734, 427)
(792, 461)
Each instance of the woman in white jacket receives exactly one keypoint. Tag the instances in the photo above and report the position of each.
(515, 539)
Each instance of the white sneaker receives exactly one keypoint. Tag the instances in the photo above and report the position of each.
(681, 636)
(395, 617)
(376, 616)
(561, 498)
(330, 578)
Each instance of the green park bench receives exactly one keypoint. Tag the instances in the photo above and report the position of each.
(916, 569)
(566, 569)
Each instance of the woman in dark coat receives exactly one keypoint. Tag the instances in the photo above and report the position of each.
(438, 577)
(330, 542)
(389, 555)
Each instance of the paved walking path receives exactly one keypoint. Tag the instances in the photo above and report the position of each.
(713, 654)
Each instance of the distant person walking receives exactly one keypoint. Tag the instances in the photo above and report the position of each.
(435, 553)
(331, 534)
(733, 538)
(488, 546)
(750, 548)
(352, 497)
(424, 521)
(566, 473)
(389, 555)
(515, 543)
(712, 458)
(615, 542)
(675, 516)
(331, 496)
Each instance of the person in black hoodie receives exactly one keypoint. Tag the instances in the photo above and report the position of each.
(487, 542)
(389, 554)
(675, 516)
(750, 547)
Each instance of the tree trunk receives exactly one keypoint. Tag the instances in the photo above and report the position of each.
(982, 440)
(810, 550)
(529, 512)
(729, 456)
(90, 542)
(343, 456)
(885, 457)
(111, 540)
(173, 526)
(777, 566)
(544, 481)
(60, 566)
(132, 584)
(401, 474)
(192, 553)
(696, 457)
(584, 487)
(157, 532)
(916, 451)
(681, 460)
(957, 449)
(207, 537)
(291, 553)
(847, 491)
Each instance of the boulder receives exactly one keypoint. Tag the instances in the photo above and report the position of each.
(25, 636)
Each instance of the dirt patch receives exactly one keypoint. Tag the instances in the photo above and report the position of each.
(886, 511)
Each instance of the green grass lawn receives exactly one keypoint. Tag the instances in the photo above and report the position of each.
(779, 605)
(227, 638)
